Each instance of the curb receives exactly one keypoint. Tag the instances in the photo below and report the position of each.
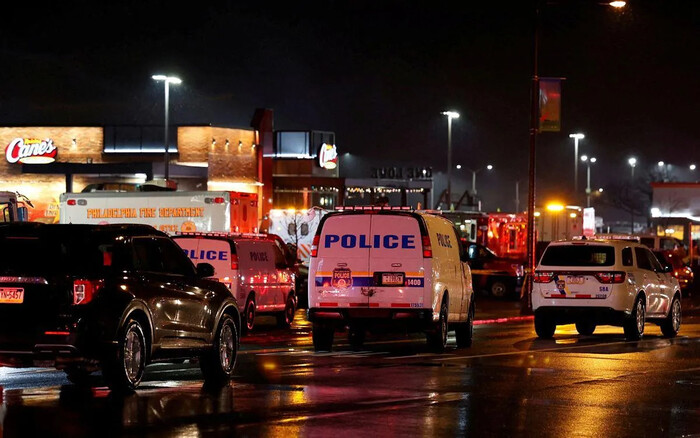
(503, 320)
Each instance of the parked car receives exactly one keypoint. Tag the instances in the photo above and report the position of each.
(114, 298)
(604, 282)
(501, 277)
(680, 270)
(258, 269)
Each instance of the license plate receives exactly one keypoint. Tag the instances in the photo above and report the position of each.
(342, 278)
(575, 279)
(11, 295)
(392, 279)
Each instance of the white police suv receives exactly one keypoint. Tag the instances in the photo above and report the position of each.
(604, 282)
(380, 269)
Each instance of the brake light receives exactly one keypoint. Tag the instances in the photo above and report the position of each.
(218, 200)
(610, 277)
(85, 290)
(71, 202)
(234, 261)
(543, 277)
(314, 245)
(427, 249)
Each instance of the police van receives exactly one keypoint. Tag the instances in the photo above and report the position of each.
(385, 268)
(256, 268)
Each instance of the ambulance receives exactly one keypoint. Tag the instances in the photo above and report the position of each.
(385, 269)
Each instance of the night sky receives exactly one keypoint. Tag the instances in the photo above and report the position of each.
(378, 74)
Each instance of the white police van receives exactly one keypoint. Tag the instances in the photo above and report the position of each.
(379, 268)
(255, 267)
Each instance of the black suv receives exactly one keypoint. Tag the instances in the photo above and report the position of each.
(111, 297)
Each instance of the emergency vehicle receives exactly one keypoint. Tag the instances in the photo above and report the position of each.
(170, 212)
(13, 207)
(257, 269)
(297, 227)
(388, 268)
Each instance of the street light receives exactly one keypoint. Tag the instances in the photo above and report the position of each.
(588, 162)
(167, 80)
(450, 115)
(576, 137)
(633, 163)
(474, 172)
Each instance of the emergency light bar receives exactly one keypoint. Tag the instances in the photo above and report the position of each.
(220, 234)
(372, 208)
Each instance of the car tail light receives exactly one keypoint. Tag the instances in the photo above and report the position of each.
(610, 277)
(314, 245)
(234, 261)
(543, 277)
(427, 249)
(71, 202)
(85, 290)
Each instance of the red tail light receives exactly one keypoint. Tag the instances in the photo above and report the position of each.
(314, 245)
(71, 202)
(610, 277)
(427, 249)
(85, 290)
(218, 200)
(234, 261)
(543, 277)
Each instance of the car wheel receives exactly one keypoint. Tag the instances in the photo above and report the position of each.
(218, 363)
(78, 375)
(498, 289)
(437, 339)
(285, 318)
(634, 325)
(672, 323)
(356, 337)
(125, 369)
(465, 332)
(322, 336)
(544, 326)
(249, 315)
(585, 328)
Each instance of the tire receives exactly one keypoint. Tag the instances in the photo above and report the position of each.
(218, 363)
(124, 369)
(465, 332)
(544, 326)
(498, 289)
(322, 336)
(248, 316)
(356, 337)
(585, 328)
(672, 323)
(437, 339)
(78, 375)
(634, 325)
(285, 319)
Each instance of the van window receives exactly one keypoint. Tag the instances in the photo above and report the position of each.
(280, 260)
(578, 255)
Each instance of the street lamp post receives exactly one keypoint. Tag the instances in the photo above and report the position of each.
(588, 162)
(576, 137)
(167, 80)
(633, 163)
(474, 172)
(450, 115)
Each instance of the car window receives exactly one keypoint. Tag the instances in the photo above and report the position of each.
(627, 256)
(174, 259)
(158, 254)
(655, 265)
(145, 255)
(578, 255)
(643, 261)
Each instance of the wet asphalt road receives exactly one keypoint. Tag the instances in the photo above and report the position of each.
(508, 384)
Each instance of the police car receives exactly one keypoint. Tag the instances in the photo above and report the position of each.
(389, 268)
(256, 268)
(604, 282)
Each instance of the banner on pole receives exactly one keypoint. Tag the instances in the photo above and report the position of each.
(550, 105)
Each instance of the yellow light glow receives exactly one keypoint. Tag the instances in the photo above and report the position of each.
(537, 214)
(555, 207)
(572, 215)
(618, 4)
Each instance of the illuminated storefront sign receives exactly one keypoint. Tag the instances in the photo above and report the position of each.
(328, 156)
(31, 151)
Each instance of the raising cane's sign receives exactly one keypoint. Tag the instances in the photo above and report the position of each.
(31, 151)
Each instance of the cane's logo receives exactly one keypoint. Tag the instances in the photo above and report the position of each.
(30, 151)
(328, 156)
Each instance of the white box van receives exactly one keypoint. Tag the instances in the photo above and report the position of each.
(256, 268)
(385, 268)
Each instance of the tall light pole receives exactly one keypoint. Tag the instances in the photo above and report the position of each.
(633, 163)
(167, 80)
(474, 172)
(450, 115)
(588, 162)
(578, 136)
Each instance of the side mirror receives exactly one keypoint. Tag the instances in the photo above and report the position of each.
(205, 270)
(668, 268)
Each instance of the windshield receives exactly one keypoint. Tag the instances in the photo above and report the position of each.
(578, 255)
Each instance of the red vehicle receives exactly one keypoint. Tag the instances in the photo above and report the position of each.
(679, 269)
(501, 277)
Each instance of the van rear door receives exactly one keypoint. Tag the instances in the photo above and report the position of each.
(342, 277)
(396, 262)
